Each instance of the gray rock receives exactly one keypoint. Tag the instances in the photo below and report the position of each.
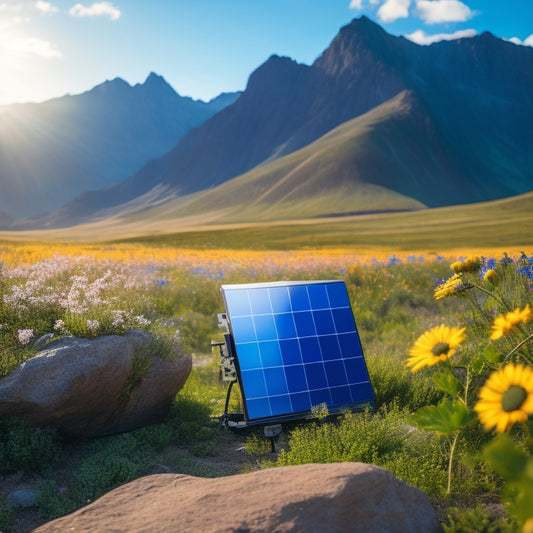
(83, 386)
(329, 498)
(23, 498)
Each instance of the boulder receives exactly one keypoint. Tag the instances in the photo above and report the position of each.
(89, 387)
(23, 498)
(338, 497)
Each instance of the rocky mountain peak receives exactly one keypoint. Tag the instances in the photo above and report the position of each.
(115, 85)
(275, 72)
(360, 43)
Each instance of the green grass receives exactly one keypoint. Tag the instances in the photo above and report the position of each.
(485, 226)
(477, 226)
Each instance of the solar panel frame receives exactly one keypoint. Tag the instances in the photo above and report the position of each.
(296, 346)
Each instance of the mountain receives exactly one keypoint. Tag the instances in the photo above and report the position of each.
(52, 151)
(438, 125)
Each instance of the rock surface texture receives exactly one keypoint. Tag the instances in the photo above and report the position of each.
(339, 497)
(87, 387)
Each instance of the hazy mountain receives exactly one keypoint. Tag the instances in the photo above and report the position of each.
(456, 130)
(52, 151)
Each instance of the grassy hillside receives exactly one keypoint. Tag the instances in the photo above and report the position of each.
(330, 176)
(500, 224)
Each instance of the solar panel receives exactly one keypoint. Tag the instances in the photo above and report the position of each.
(296, 347)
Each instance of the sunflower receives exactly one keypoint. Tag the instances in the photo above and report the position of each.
(505, 323)
(437, 344)
(451, 286)
(506, 398)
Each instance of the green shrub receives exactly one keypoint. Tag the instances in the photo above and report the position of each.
(392, 381)
(154, 437)
(24, 448)
(360, 437)
(257, 444)
(6, 516)
(420, 464)
(477, 520)
(108, 463)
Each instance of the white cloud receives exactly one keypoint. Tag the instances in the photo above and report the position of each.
(96, 9)
(17, 48)
(45, 7)
(528, 41)
(420, 36)
(10, 7)
(392, 10)
(437, 11)
(356, 4)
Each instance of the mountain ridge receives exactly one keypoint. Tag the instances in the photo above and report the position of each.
(467, 128)
(62, 147)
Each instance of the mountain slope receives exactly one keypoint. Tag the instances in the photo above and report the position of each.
(335, 175)
(52, 151)
(467, 138)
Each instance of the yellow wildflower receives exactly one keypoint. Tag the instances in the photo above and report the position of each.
(506, 398)
(437, 344)
(505, 323)
(472, 264)
(491, 276)
(454, 284)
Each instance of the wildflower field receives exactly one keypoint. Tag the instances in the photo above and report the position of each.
(447, 340)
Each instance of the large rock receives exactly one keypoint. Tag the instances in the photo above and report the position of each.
(338, 497)
(88, 387)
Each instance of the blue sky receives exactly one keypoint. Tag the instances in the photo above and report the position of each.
(49, 48)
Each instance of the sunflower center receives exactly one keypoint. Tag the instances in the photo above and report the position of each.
(440, 348)
(513, 398)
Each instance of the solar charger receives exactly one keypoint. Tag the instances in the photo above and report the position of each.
(293, 348)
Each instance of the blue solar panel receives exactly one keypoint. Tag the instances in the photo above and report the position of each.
(296, 346)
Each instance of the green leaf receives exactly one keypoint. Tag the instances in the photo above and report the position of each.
(491, 354)
(446, 417)
(447, 382)
(521, 503)
(505, 457)
(477, 363)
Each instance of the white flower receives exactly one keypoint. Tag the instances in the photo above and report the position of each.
(25, 335)
(141, 321)
(118, 318)
(59, 325)
(93, 326)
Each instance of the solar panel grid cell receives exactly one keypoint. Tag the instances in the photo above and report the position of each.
(297, 346)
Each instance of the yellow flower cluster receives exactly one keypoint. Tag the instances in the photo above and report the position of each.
(472, 264)
(454, 284)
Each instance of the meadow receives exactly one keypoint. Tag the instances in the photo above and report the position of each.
(425, 427)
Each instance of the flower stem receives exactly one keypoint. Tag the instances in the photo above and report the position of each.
(518, 346)
(501, 302)
(450, 463)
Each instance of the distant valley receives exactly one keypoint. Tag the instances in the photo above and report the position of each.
(376, 123)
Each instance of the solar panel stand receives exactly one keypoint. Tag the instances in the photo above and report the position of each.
(227, 374)
(271, 432)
